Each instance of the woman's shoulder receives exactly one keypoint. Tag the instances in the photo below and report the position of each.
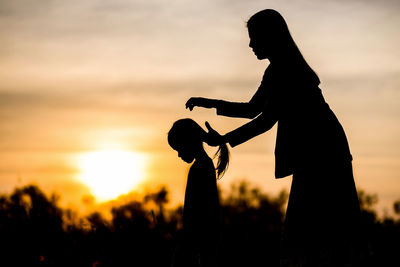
(269, 77)
(290, 77)
(276, 73)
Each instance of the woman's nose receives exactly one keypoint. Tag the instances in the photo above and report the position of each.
(251, 43)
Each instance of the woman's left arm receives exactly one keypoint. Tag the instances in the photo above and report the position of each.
(264, 122)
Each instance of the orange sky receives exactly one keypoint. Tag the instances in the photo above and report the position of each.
(79, 76)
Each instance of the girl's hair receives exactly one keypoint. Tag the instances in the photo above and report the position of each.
(270, 23)
(187, 131)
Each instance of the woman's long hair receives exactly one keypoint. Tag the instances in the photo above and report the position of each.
(272, 25)
(187, 131)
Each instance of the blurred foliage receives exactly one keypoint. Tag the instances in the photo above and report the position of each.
(35, 231)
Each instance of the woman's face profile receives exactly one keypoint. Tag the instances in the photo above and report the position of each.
(258, 43)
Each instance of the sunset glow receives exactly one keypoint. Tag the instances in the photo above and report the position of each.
(110, 173)
(110, 77)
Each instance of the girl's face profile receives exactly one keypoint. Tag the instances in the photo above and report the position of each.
(185, 154)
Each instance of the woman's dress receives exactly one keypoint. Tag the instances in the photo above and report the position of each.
(322, 216)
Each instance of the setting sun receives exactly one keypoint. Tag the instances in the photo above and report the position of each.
(110, 173)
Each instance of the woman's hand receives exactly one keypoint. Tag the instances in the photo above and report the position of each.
(199, 102)
(213, 138)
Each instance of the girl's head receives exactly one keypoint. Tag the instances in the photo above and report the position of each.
(187, 137)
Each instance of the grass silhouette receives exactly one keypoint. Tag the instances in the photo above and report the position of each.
(35, 231)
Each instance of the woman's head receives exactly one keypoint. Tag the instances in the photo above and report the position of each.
(270, 39)
(268, 33)
(187, 137)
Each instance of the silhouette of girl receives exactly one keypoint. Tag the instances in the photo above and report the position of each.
(322, 216)
(201, 207)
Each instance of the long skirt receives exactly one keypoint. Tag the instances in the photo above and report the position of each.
(322, 219)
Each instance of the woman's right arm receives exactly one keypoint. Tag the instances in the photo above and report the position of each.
(232, 109)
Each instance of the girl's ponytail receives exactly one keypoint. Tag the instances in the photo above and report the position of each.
(222, 153)
(223, 160)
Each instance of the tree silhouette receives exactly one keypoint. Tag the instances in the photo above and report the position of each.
(159, 198)
(396, 207)
(35, 231)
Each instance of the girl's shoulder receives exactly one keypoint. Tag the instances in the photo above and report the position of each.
(203, 166)
(203, 162)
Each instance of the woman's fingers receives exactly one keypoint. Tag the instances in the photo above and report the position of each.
(191, 103)
(213, 137)
(199, 102)
(209, 128)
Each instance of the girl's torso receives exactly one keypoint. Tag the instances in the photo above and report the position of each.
(201, 207)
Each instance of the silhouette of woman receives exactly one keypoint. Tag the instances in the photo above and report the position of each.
(201, 207)
(322, 215)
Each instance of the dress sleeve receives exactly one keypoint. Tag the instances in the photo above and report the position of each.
(257, 126)
(245, 109)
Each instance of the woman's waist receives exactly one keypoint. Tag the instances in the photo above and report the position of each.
(312, 146)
